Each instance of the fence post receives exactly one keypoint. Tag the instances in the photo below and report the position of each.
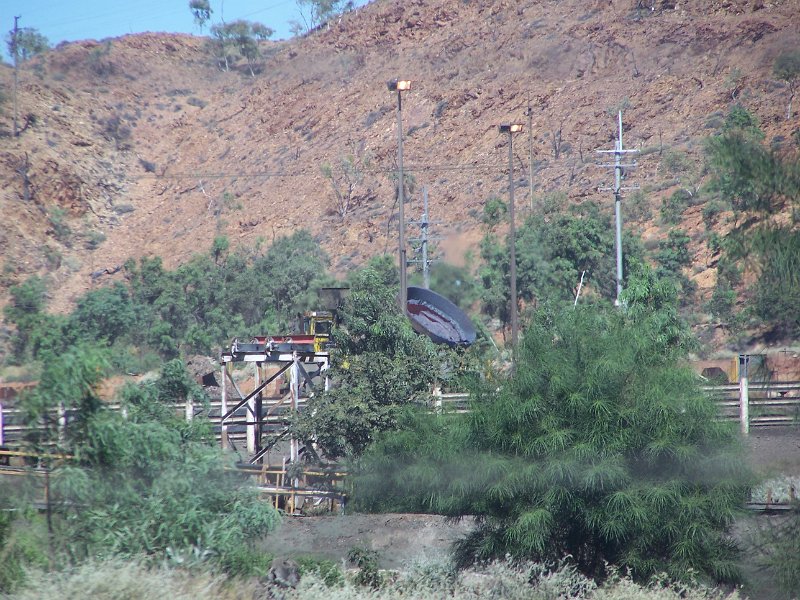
(744, 394)
(2, 437)
(62, 422)
(223, 408)
(189, 409)
(250, 415)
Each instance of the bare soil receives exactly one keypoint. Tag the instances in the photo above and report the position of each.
(399, 539)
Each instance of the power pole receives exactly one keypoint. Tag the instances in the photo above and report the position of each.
(618, 167)
(423, 240)
(529, 114)
(15, 42)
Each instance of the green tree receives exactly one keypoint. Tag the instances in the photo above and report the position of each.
(761, 185)
(26, 43)
(104, 314)
(672, 256)
(151, 484)
(381, 367)
(318, 12)
(201, 11)
(239, 39)
(787, 68)
(600, 447)
(68, 382)
(553, 250)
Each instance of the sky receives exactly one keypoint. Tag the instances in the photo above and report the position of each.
(71, 20)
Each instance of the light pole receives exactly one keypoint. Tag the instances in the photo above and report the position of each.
(400, 86)
(511, 129)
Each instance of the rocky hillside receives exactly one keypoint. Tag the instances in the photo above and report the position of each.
(143, 145)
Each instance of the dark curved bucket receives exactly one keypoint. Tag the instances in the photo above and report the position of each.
(435, 316)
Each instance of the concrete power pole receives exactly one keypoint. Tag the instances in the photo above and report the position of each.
(424, 241)
(618, 167)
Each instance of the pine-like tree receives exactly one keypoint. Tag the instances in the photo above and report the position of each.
(602, 448)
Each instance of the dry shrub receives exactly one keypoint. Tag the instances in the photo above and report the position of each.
(432, 581)
(125, 579)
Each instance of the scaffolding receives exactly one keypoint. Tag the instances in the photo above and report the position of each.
(287, 371)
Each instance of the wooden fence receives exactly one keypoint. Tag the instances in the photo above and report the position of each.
(767, 405)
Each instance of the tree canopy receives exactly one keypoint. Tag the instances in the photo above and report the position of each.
(381, 367)
(600, 447)
(26, 43)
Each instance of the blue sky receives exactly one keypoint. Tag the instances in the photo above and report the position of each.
(72, 20)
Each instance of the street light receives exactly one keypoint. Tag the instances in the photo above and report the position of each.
(511, 129)
(399, 86)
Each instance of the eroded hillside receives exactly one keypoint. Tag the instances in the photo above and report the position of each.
(142, 145)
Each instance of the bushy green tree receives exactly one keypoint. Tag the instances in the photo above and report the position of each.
(26, 43)
(761, 184)
(601, 448)
(106, 313)
(381, 368)
(553, 250)
(25, 310)
(148, 483)
(787, 68)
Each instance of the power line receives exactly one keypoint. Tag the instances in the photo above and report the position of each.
(300, 173)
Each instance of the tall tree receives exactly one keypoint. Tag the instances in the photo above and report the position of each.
(25, 43)
(382, 367)
(201, 10)
(762, 187)
(318, 12)
(787, 68)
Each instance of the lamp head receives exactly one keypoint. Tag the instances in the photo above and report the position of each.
(510, 127)
(398, 85)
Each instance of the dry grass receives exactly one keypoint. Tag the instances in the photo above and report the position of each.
(120, 580)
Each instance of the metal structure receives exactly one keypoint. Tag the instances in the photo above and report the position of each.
(618, 167)
(511, 129)
(400, 86)
(296, 360)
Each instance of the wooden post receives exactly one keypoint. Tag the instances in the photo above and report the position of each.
(251, 408)
(294, 446)
(744, 395)
(223, 408)
(259, 407)
(62, 422)
(189, 409)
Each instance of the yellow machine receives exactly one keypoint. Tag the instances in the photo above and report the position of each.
(319, 323)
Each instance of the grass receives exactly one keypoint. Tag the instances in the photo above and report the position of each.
(430, 581)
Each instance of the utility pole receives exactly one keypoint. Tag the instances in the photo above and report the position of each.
(423, 240)
(510, 129)
(529, 114)
(15, 41)
(426, 270)
(618, 167)
(399, 86)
